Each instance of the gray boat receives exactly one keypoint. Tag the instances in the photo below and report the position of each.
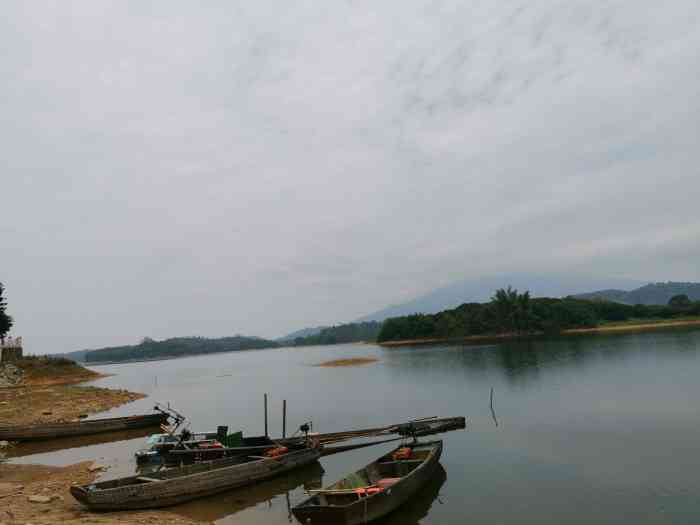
(375, 490)
(177, 485)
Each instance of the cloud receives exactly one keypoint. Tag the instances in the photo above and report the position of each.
(171, 169)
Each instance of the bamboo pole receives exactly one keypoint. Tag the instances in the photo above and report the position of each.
(284, 418)
(266, 433)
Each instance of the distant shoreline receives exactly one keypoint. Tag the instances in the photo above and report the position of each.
(496, 338)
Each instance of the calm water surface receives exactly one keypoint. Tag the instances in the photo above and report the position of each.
(600, 429)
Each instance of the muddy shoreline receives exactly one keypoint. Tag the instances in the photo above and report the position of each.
(39, 494)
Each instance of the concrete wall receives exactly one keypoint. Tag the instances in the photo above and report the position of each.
(9, 355)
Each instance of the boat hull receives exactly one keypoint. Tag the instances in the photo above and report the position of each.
(374, 507)
(79, 428)
(187, 483)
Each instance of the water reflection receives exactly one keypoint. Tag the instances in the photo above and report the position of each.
(219, 506)
(524, 361)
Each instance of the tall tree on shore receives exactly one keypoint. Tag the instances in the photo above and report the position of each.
(513, 310)
(5, 320)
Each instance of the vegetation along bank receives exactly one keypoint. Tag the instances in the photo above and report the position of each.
(514, 314)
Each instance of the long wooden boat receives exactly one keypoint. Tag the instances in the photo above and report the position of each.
(375, 490)
(177, 485)
(214, 508)
(172, 450)
(79, 428)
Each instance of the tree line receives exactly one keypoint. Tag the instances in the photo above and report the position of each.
(514, 313)
(344, 333)
(175, 347)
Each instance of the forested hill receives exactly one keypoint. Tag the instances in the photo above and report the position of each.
(512, 313)
(654, 293)
(480, 289)
(175, 347)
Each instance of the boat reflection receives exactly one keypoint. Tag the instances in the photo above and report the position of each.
(41, 447)
(217, 507)
(418, 506)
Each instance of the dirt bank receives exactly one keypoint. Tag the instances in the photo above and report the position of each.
(49, 392)
(20, 482)
(26, 405)
(634, 327)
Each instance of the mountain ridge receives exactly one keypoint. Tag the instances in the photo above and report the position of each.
(658, 293)
(480, 290)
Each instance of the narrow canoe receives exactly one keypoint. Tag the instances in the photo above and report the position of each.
(177, 485)
(79, 428)
(374, 491)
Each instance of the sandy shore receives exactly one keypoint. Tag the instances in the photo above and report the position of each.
(45, 397)
(637, 327)
(612, 328)
(42, 399)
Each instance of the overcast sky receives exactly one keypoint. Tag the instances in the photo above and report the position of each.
(188, 168)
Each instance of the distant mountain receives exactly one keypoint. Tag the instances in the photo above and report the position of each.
(150, 349)
(653, 293)
(304, 332)
(480, 290)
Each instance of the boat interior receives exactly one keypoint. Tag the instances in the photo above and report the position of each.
(374, 478)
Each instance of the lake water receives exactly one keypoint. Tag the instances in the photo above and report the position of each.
(595, 429)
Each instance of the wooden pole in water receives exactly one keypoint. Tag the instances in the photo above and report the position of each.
(284, 418)
(266, 434)
(493, 412)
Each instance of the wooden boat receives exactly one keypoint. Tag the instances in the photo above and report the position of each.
(416, 427)
(79, 428)
(177, 485)
(29, 448)
(430, 426)
(417, 507)
(158, 445)
(217, 507)
(185, 449)
(212, 449)
(374, 491)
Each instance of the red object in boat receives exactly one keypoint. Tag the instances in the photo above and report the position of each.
(276, 452)
(385, 483)
(402, 453)
(213, 444)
